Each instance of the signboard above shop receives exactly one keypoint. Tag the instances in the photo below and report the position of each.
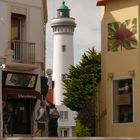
(20, 80)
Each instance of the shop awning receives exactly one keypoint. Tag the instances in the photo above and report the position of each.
(16, 93)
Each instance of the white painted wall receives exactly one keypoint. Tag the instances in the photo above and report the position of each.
(68, 123)
(4, 27)
(34, 24)
(61, 63)
(71, 116)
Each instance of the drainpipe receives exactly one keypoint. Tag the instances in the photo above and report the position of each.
(45, 20)
(44, 48)
(1, 104)
(1, 107)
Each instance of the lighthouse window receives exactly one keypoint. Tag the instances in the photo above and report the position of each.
(63, 77)
(123, 101)
(61, 29)
(63, 48)
(61, 14)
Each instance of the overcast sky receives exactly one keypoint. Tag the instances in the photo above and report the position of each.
(87, 31)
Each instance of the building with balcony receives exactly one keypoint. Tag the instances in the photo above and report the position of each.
(119, 93)
(22, 47)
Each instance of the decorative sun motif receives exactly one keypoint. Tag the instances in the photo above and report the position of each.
(122, 35)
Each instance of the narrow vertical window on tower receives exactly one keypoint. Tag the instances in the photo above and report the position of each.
(123, 100)
(63, 48)
(63, 77)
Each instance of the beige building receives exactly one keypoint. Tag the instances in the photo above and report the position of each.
(22, 58)
(120, 89)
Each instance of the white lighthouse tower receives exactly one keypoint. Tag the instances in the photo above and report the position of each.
(63, 28)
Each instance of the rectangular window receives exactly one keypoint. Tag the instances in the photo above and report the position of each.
(17, 26)
(123, 101)
(63, 48)
(64, 132)
(63, 115)
(17, 35)
(63, 77)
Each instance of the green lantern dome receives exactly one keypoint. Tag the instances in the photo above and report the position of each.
(63, 10)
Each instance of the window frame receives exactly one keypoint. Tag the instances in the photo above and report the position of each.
(21, 23)
(112, 96)
(63, 48)
(63, 115)
(64, 76)
(62, 132)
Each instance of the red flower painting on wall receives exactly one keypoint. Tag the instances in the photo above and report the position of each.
(122, 35)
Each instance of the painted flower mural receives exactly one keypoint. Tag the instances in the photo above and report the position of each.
(122, 35)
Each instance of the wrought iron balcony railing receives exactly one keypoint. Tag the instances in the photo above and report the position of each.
(23, 52)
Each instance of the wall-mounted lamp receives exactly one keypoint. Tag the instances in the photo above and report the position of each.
(2, 20)
(110, 75)
(131, 72)
(2, 66)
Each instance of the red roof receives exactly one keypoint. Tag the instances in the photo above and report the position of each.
(101, 2)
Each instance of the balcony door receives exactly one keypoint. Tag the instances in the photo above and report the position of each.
(17, 35)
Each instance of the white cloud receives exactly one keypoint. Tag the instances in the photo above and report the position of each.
(87, 32)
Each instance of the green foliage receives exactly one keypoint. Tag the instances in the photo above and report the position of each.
(81, 80)
(81, 130)
(87, 114)
(80, 91)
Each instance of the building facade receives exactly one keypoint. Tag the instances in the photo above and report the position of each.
(119, 93)
(63, 28)
(22, 47)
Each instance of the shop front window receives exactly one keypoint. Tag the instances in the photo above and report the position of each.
(123, 101)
